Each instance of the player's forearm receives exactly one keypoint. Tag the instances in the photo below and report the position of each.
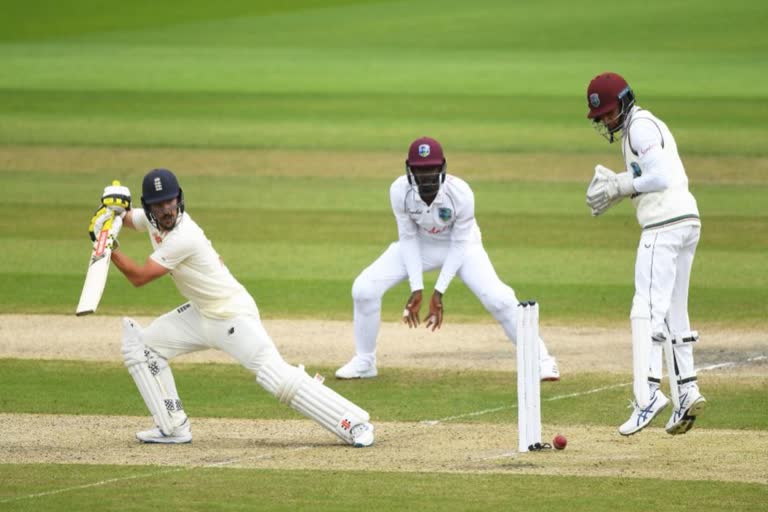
(137, 275)
(453, 261)
(411, 253)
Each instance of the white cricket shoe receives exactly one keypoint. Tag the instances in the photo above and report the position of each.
(180, 435)
(692, 403)
(641, 418)
(362, 435)
(357, 368)
(548, 370)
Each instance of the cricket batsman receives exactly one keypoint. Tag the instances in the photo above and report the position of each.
(655, 180)
(435, 215)
(219, 314)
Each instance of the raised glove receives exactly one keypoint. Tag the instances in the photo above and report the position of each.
(116, 197)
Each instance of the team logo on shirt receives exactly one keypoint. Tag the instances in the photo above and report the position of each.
(424, 150)
(445, 214)
(594, 100)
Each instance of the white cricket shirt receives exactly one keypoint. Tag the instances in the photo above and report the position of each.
(650, 154)
(449, 220)
(196, 268)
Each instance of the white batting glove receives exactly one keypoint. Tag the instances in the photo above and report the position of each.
(116, 197)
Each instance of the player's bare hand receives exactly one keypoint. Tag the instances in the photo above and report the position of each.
(411, 311)
(435, 318)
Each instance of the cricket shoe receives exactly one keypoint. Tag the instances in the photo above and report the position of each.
(548, 370)
(692, 403)
(180, 435)
(357, 368)
(362, 435)
(642, 417)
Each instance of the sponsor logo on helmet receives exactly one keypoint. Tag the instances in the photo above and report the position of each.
(594, 100)
(444, 213)
(424, 150)
(158, 184)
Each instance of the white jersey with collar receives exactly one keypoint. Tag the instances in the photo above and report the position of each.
(450, 217)
(650, 154)
(196, 268)
(448, 221)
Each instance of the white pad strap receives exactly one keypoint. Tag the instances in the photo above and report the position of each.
(685, 337)
(292, 386)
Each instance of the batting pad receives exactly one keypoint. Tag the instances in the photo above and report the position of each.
(292, 386)
(150, 391)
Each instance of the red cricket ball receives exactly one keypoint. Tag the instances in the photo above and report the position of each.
(559, 442)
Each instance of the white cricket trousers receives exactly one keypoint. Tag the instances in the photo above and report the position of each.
(662, 278)
(185, 330)
(476, 272)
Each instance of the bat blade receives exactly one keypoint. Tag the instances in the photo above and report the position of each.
(98, 268)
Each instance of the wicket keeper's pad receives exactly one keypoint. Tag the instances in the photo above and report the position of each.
(291, 385)
(528, 376)
(641, 360)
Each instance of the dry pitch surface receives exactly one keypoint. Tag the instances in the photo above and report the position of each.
(442, 445)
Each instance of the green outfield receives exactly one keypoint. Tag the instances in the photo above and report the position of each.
(286, 122)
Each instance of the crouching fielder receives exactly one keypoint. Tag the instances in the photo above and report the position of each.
(435, 215)
(656, 181)
(220, 314)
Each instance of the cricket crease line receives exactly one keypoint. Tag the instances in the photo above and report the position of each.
(584, 393)
(144, 475)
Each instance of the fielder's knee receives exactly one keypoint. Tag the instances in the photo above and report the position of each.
(363, 290)
(499, 302)
(366, 296)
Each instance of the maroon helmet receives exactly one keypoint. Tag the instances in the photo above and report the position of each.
(425, 152)
(605, 93)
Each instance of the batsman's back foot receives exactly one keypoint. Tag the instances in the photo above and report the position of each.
(357, 368)
(549, 371)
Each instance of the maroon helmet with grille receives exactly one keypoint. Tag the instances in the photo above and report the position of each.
(606, 92)
(425, 152)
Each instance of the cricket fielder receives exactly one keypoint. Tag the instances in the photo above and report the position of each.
(655, 180)
(435, 214)
(219, 314)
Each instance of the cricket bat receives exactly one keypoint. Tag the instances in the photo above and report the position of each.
(98, 267)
